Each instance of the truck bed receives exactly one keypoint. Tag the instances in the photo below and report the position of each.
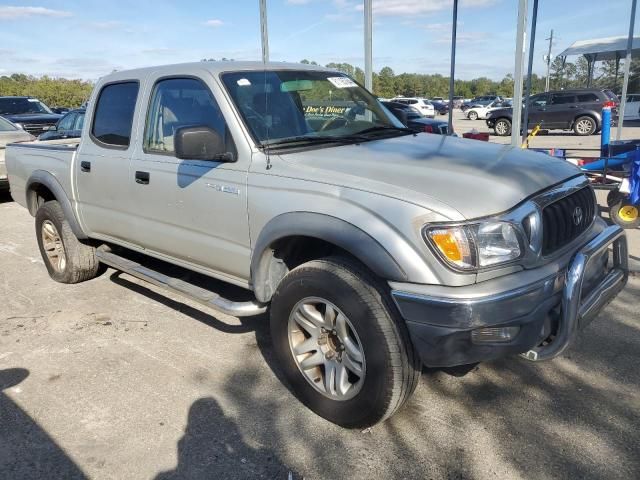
(54, 156)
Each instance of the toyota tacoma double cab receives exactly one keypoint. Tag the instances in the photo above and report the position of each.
(375, 249)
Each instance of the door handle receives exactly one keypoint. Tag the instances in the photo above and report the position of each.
(85, 166)
(142, 178)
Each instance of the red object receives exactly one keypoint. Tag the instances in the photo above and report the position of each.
(609, 104)
(428, 128)
(483, 136)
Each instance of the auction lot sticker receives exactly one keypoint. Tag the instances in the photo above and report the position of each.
(342, 82)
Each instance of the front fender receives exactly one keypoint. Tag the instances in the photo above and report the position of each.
(322, 227)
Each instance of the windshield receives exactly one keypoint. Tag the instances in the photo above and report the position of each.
(17, 106)
(306, 105)
(6, 126)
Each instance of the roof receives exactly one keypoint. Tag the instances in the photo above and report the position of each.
(215, 67)
(607, 48)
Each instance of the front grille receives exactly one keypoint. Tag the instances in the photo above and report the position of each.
(564, 220)
(36, 128)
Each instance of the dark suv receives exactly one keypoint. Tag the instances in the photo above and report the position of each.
(28, 113)
(578, 110)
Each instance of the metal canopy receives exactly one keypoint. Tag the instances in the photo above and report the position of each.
(609, 48)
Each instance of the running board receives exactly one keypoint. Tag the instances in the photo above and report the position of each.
(201, 295)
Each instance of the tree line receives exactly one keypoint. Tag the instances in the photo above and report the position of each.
(73, 93)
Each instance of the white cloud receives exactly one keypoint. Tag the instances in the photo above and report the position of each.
(419, 7)
(11, 12)
(214, 23)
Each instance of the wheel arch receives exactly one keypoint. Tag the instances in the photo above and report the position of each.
(293, 238)
(42, 187)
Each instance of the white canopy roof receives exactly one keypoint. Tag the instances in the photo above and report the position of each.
(608, 48)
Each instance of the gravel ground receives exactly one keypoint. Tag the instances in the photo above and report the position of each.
(113, 379)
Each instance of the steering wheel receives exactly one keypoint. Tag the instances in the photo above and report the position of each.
(329, 123)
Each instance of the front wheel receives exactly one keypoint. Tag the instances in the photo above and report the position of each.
(473, 115)
(341, 343)
(502, 127)
(584, 126)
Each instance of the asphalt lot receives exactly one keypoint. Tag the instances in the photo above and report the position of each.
(114, 379)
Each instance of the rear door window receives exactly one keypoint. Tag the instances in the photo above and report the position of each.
(113, 118)
(563, 99)
(588, 97)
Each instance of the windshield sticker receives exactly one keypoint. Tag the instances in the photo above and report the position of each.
(342, 82)
(244, 82)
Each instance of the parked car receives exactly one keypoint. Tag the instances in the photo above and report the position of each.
(374, 249)
(632, 107)
(60, 110)
(415, 121)
(458, 101)
(420, 105)
(481, 111)
(9, 133)
(578, 110)
(69, 126)
(28, 113)
(482, 100)
(440, 107)
(436, 99)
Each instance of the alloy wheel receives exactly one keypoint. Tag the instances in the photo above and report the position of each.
(326, 348)
(53, 246)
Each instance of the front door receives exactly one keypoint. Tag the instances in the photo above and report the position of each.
(537, 110)
(191, 210)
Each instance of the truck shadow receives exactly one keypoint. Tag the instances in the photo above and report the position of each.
(212, 447)
(26, 450)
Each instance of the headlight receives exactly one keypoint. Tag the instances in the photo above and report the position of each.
(476, 246)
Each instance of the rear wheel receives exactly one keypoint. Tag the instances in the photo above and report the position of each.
(341, 343)
(502, 127)
(584, 126)
(66, 258)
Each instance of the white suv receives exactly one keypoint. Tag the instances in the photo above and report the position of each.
(422, 106)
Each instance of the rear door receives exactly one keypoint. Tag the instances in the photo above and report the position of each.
(101, 169)
(191, 210)
(562, 110)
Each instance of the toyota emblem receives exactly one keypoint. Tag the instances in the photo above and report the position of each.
(577, 216)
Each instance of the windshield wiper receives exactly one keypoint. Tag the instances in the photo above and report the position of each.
(385, 128)
(311, 139)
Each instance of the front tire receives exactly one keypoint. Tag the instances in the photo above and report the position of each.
(502, 127)
(584, 126)
(473, 115)
(66, 258)
(342, 344)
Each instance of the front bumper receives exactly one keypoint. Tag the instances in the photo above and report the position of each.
(556, 306)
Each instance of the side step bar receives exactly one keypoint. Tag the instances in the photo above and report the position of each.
(205, 297)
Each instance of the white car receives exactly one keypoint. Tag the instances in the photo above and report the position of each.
(632, 107)
(481, 111)
(422, 106)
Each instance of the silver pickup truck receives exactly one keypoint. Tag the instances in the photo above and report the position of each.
(375, 249)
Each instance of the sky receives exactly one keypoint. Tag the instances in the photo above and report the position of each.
(88, 38)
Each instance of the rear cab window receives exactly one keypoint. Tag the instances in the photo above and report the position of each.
(113, 117)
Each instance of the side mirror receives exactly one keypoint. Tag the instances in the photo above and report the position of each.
(200, 143)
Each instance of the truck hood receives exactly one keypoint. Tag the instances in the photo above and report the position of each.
(34, 118)
(474, 178)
